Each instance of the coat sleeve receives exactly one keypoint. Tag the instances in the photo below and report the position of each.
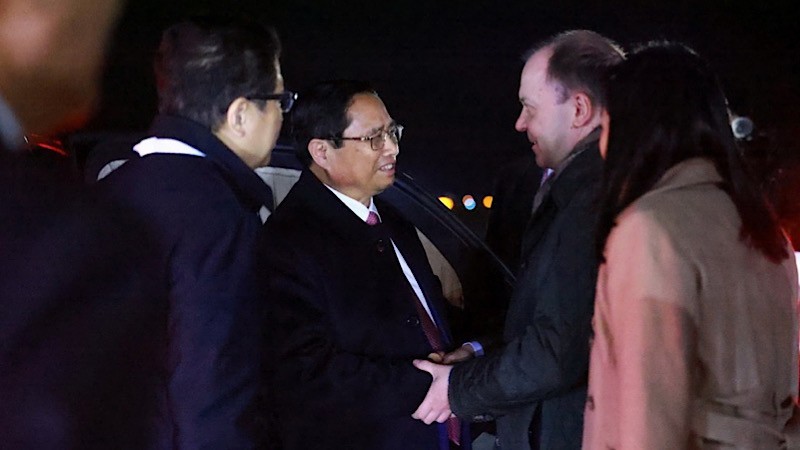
(309, 367)
(213, 329)
(550, 357)
(644, 338)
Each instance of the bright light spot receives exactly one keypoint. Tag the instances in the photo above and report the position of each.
(487, 201)
(468, 202)
(447, 201)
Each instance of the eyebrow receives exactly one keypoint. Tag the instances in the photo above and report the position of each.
(378, 129)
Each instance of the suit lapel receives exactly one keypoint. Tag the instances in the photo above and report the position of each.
(408, 243)
(328, 210)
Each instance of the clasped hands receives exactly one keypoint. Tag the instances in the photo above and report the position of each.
(436, 405)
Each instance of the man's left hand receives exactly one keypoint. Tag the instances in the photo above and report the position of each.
(436, 406)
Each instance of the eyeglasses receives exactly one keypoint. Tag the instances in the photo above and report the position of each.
(378, 140)
(286, 99)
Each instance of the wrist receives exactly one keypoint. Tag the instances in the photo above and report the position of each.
(475, 347)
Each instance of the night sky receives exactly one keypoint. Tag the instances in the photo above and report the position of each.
(449, 70)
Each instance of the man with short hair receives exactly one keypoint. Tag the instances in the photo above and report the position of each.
(193, 188)
(352, 299)
(535, 384)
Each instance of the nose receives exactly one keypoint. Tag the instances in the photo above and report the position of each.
(520, 123)
(390, 146)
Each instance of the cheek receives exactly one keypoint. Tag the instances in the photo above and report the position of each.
(272, 126)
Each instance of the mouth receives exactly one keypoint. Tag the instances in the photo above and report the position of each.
(387, 167)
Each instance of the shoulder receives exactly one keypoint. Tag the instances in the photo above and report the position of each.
(177, 188)
(170, 174)
(389, 213)
(684, 215)
(650, 246)
(295, 219)
(577, 188)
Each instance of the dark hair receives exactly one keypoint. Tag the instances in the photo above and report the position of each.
(203, 65)
(321, 113)
(666, 106)
(579, 62)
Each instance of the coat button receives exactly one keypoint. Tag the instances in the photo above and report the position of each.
(380, 245)
(590, 403)
(412, 321)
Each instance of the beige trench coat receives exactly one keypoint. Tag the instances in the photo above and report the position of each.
(695, 341)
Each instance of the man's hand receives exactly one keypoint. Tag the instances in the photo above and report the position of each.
(436, 406)
(458, 355)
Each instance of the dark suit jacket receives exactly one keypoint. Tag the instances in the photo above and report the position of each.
(202, 214)
(514, 189)
(538, 380)
(342, 325)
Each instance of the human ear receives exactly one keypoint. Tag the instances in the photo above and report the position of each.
(318, 149)
(236, 116)
(584, 110)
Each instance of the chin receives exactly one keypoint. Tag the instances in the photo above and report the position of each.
(383, 187)
(264, 160)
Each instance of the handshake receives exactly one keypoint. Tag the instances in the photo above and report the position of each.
(436, 405)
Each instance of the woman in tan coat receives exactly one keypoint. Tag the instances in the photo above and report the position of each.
(695, 323)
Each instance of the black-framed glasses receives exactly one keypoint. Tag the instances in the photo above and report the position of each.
(286, 99)
(378, 140)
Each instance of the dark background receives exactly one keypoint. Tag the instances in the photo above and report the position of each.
(449, 70)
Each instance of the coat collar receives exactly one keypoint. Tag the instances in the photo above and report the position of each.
(317, 199)
(584, 172)
(690, 172)
(581, 171)
(248, 185)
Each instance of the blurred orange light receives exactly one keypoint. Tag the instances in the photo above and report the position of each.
(447, 201)
(487, 201)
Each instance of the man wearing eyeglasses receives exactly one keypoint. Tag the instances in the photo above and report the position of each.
(352, 298)
(221, 101)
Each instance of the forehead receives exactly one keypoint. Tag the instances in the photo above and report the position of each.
(533, 82)
(367, 113)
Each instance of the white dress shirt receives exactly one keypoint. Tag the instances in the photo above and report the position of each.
(363, 212)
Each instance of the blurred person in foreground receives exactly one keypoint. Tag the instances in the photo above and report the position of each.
(695, 320)
(352, 299)
(534, 383)
(195, 191)
(73, 313)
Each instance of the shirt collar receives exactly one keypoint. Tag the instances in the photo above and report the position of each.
(357, 207)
